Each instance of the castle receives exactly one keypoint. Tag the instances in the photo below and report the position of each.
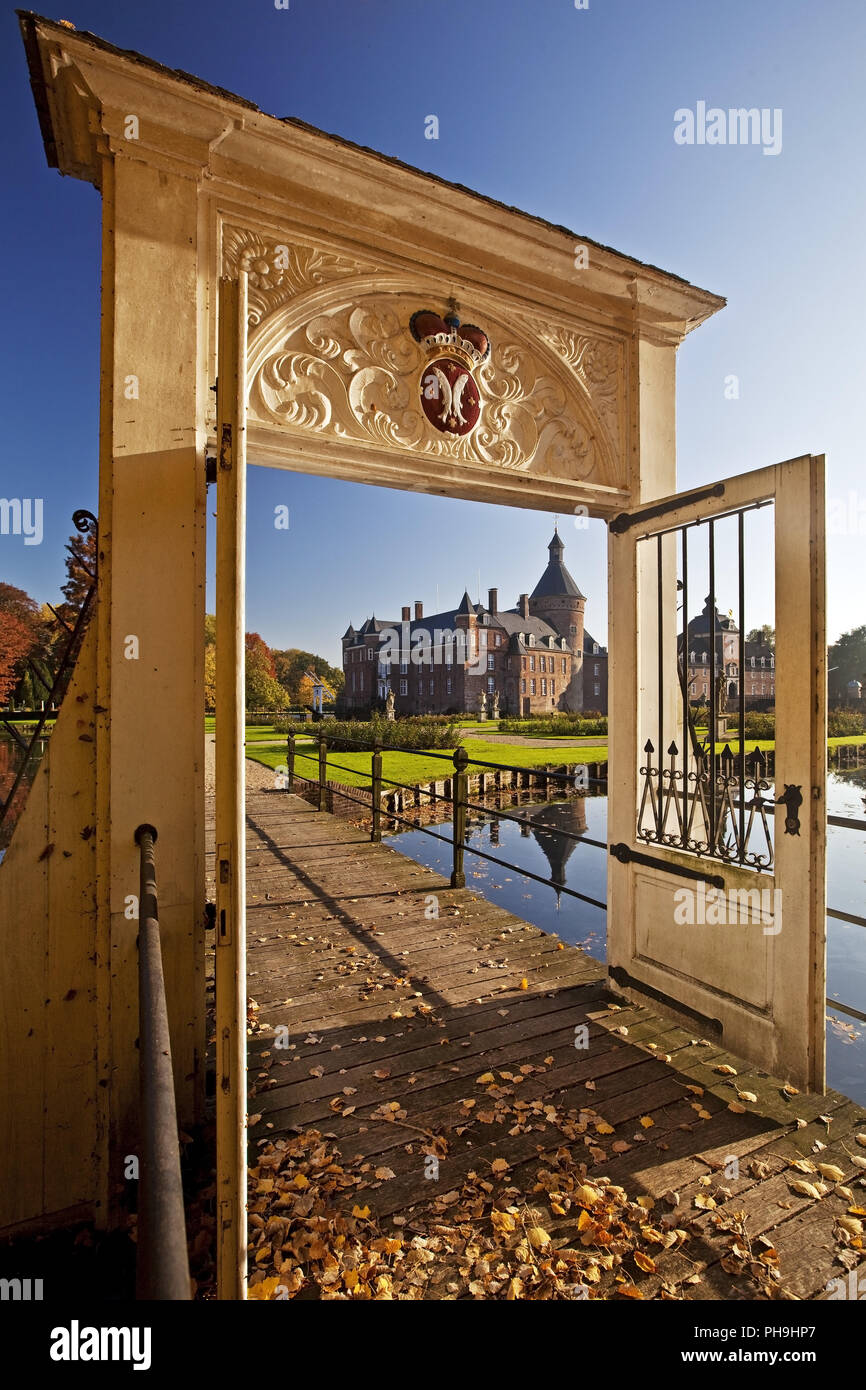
(536, 658)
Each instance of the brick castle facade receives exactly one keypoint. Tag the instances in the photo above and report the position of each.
(536, 658)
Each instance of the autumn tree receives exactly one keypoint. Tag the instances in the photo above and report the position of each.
(19, 636)
(291, 667)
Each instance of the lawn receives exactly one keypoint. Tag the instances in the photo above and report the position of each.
(353, 769)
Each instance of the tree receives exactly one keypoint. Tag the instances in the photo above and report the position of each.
(19, 636)
(263, 689)
(848, 656)
(291, 666)
(765, 636)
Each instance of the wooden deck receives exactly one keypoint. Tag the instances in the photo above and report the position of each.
(393, 1016)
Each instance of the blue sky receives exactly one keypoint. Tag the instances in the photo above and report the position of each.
(568, 114)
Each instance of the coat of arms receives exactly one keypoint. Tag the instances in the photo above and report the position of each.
(450, 397)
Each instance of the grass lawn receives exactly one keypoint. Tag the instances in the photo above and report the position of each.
(420, 767)
(353, 768)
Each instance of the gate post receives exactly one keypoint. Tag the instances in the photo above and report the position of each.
(376, 832)
(461, 758)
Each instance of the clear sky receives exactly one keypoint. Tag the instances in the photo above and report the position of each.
(566, 113)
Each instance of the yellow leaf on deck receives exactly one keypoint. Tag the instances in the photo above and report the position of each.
(524, 983)
(647, 1121)
(538, 1237)
(644, 1262)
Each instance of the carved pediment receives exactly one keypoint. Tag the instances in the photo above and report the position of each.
(331, 357)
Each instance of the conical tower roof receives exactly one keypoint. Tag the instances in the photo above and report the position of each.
(556, 579)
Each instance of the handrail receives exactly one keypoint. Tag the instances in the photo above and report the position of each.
(83, 521)
(461, 804)
(162, 1267)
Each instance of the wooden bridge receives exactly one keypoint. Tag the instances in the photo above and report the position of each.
(465, 1072)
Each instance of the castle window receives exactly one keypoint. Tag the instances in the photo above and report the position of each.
(370, 653)
(431, 687)
(595, 649)
(532, 687)
(404, 687)
(404, 668)
(544, 687)
(532, 663)
(563, 666)
(499, 639)
(542, 663)
(573, 629)
(532, 639)
(448, 686)
(491, 662)
(596, 689)
(553, 687)
(523, 687)
(595, 669)
(523, 663)
(491, 685)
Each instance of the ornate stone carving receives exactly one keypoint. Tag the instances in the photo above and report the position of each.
(598, 365)
(351, 371)
(279, 269)
(354, 372)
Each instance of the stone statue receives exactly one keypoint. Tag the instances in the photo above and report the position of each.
(389, 705)
(482, 704)
(496, 704)
(721, 695)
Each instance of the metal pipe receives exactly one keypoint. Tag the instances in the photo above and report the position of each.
(162, 1270)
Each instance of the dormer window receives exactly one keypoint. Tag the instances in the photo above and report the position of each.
(532, 639)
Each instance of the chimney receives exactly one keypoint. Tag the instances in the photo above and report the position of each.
(493, 600)
(523, 605)
(419, 610)
(406, 612)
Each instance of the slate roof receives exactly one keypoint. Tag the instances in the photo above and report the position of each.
(556, 579)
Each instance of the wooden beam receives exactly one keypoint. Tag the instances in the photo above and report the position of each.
(230, 967)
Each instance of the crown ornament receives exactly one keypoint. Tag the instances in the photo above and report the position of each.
(438, 334)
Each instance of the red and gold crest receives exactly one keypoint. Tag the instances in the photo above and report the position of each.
(450, 397)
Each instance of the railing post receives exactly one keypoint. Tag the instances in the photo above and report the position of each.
(376, 832)
(290, 761)
(323, 774)
(162, 1262)
(461, 758)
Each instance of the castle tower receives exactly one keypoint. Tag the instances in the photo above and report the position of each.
(557, 599)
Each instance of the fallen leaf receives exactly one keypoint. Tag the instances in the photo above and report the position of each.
(538, 1237)
(725, 1070)
(829, 1170)
(805, 1189)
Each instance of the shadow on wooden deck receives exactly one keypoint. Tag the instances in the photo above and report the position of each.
(472, 1037)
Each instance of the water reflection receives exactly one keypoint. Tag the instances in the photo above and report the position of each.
(568, 863)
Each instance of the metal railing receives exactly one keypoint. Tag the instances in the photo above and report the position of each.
(162, 1267)
(460, 803)
(83, 521)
